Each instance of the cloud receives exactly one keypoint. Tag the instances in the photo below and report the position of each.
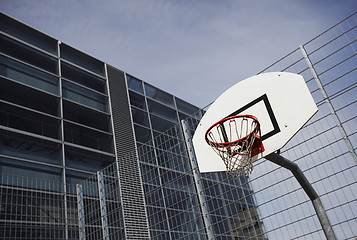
(192, 49)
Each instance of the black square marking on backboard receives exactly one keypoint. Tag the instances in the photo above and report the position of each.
(266, 102)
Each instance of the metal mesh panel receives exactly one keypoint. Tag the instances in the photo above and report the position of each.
(267, 205)
(324, 148)
(34, 209)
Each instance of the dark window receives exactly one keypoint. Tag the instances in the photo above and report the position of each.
(35, 176)
(140, 117)
(26, 96)
(162, 111)
(134, 84)
(159, 95)
(185, 107)
(28, 34)
(84, 78)
(28, 75)
(160, 124)
(137, 100)
(81, 59)
(86, 160)
(26, 120)
(26, 147)
(87, 137)
(28, 54)
(84, 96)
(142, 134)
(86, 116)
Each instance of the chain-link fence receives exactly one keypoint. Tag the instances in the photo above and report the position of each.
(181, 203)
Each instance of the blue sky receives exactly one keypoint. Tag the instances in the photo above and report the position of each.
(192, 49)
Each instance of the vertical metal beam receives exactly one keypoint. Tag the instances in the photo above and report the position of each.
(61, 131)
(80, 204)
(329, 104)
(197, 178)
(103, 205)
(309, 190)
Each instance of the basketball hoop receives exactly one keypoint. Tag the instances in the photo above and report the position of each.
(236, 140)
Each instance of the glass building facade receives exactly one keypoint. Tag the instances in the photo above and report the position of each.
(90, 152)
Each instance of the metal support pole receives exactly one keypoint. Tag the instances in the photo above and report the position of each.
(103, 205)
(197, 178)
(305, 184)
(80, 204)
(329, 104)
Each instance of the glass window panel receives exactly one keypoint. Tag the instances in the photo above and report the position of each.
(159, 95)
(185, 107)
(162, 111)
(150, 174)
(87, 137)
(27, 75)
(84, 78)
(137, 100)
(29, 121)
(28, 34)
(26, 96)
(30, 175)
(26, 147)
(146, 154)
(86, 116)
(134, 84)
(183, 116)
(28, 54)
(140, 117)
(86, 160)
(84, 96)
(82, 59)
(160, 124)
(142, 134)
(157, 218)
(73, 178)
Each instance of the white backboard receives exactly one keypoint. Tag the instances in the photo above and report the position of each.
(281, 101)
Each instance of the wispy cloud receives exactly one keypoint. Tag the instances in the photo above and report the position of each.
(192, 49)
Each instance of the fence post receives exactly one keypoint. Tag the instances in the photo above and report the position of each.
(103, 205)
(329, 104)
(197, 178)
(80, 204)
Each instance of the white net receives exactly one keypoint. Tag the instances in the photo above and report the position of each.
(236, 139)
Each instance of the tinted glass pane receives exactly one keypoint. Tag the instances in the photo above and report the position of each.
(160, 124)
(86, 160)
(25, 120)
(134, 84)
(74, 177)
(87, 137)
(27, 54)
(185, 107)
(28, 97)
(84, 96)
(34, 176)
(26, 147)
(159, 95)
(142, 134)
(162, 111)
(140, 117)
(84, 78)
(28, 34)
(27, 75)
(82, 59)
(137, 100)
(86, 116)
(153, 194)
(146, 154)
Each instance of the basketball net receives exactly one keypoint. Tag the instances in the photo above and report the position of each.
(236, 140)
